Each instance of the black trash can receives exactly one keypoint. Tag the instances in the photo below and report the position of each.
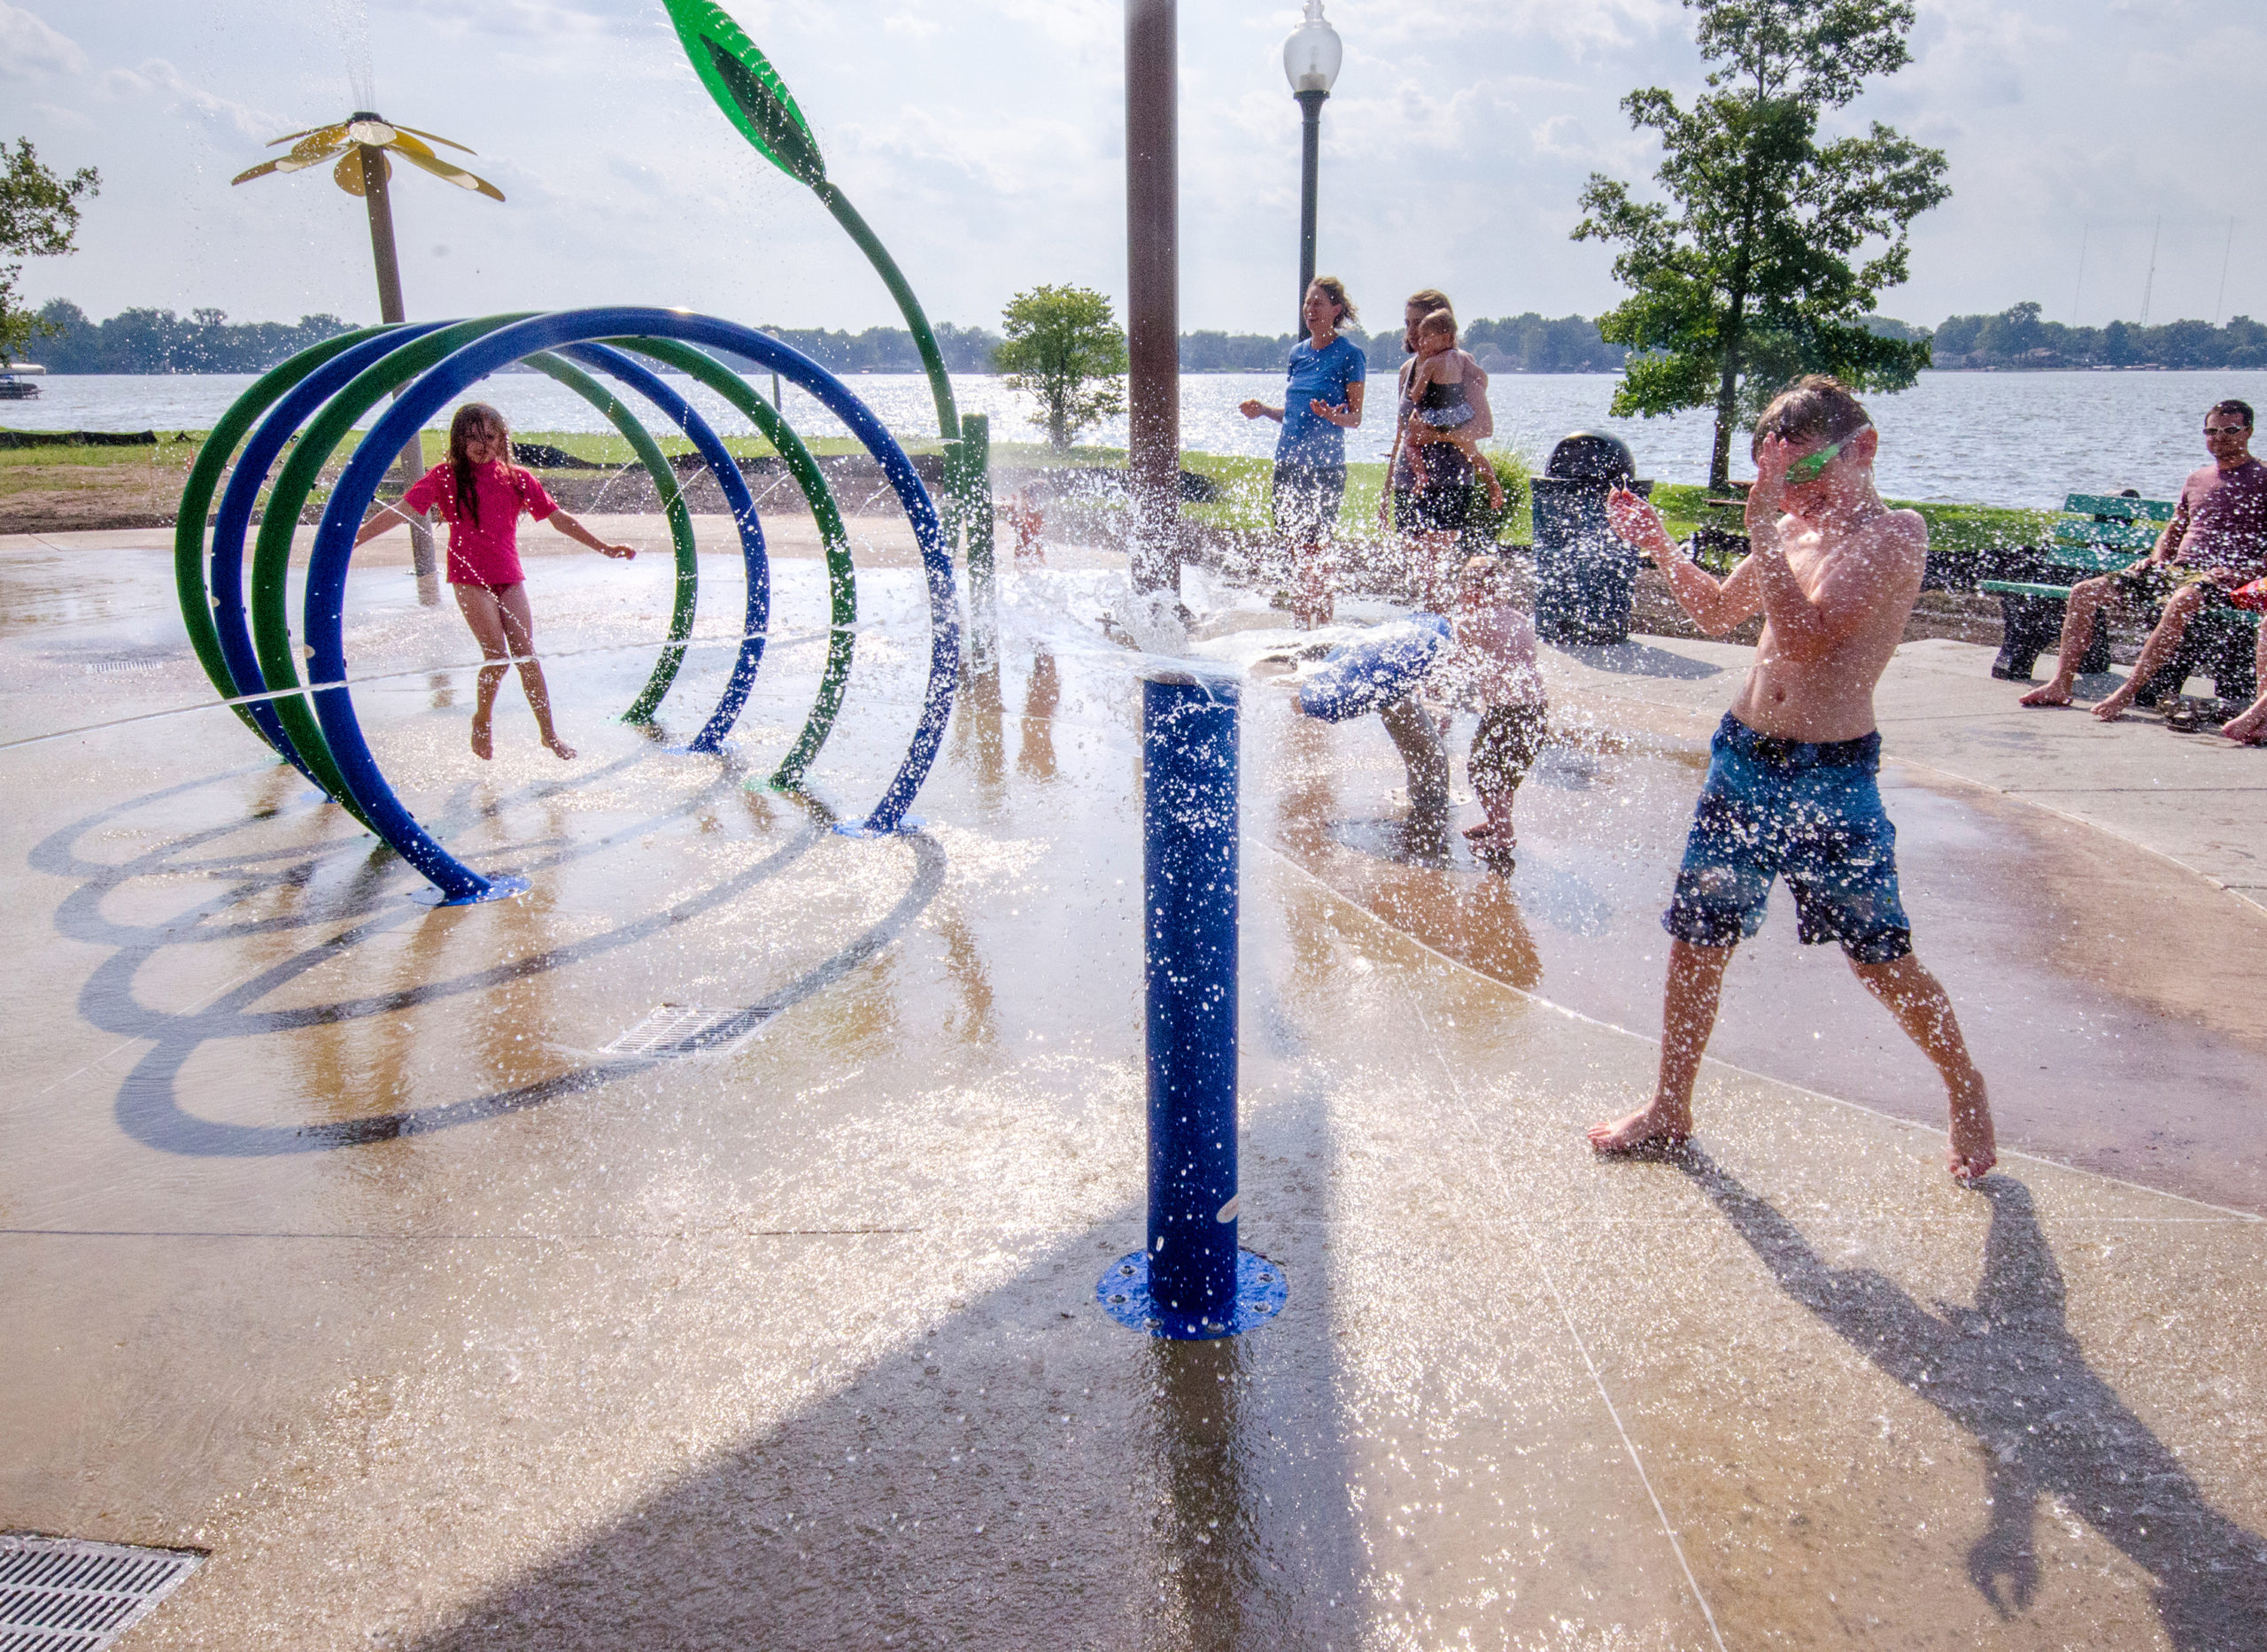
(1583, 573)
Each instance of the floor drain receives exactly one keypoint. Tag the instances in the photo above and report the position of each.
(60, 1595)
(680, 1029)
(103, 666)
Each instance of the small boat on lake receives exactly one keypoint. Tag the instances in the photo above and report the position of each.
(15, 386)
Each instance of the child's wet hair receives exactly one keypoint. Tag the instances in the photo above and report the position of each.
(1436, 322)
(1482, 572)
(1814, 409)
(474, 417)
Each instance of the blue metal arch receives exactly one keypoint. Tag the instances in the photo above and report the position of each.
(225, 577)
(323, 626)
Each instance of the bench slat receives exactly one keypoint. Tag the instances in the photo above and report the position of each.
(2062, 593)
(2086, 560)
(2118, 506)
(2134, 536)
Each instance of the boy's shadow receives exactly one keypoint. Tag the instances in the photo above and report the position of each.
(2010, 1373)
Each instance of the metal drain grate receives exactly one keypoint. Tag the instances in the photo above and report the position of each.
(57, 1594)
(680, 1029)
(102, 666)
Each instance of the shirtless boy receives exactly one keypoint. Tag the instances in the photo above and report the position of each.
(1791, 787)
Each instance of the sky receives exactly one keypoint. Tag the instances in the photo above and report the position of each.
(983, 139)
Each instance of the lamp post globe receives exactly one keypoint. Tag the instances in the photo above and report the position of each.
(1311, 60)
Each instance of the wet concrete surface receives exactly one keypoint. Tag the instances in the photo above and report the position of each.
(339, 1243)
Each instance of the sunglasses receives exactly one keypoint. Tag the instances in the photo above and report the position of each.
(2226, 429)
(1810, 466)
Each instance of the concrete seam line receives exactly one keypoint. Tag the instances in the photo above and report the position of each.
(1566, 1317)
(1744, 1072)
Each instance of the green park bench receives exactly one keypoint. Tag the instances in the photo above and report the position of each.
(2106, 534)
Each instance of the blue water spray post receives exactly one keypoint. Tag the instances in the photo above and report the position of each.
(1192, 1281)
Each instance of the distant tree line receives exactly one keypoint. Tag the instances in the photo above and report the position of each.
(205, 341)
(890, 349)
(158, 340)
(2019, 339)
(1517, 344)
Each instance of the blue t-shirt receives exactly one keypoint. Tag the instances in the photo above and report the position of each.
(1320, 374)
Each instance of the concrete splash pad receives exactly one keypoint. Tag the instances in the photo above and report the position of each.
(339, 1242)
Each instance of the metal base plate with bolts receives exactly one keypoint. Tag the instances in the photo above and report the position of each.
(1124, 1293)
(499, 889)
(860, 829)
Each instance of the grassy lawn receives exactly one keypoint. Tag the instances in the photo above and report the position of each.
(149, 478)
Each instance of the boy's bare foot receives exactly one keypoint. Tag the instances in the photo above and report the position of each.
(2250, 727)
(483, 746)
(1654, 1129)
(2113, 706)
(1973, 1149)
(1480, 834)
(2047, 694)
(560, 748)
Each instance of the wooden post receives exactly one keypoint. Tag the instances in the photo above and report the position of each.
(1153, 291)
(411, 465)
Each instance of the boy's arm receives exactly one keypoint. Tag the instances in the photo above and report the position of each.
(1715, 604)
(1809, 624)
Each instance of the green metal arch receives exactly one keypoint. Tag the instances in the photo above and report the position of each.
(204, 475)
(673, 507)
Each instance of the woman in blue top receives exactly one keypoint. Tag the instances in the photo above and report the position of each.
(1321, 404)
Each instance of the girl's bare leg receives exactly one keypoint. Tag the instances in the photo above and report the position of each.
(484, 615)
(518, 630)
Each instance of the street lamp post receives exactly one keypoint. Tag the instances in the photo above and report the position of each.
(1311, 60)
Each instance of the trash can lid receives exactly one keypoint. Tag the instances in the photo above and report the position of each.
(1586, 456)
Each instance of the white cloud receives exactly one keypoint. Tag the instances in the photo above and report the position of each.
(157, 78)
(28, 46)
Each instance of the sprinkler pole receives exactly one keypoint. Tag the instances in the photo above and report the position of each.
(1191, 1282)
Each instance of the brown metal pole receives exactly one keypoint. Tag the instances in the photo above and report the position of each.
(1153, 291)
(411, 464)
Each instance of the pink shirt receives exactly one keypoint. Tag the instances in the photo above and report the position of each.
(2221, 521)
(485, 552)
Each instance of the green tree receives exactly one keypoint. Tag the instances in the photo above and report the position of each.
(1757, 273)
(1060, 342)
(39, 215)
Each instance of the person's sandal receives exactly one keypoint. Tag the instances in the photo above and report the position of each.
(2185, 717)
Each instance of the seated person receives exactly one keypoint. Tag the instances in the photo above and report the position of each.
(1490, 669)
(2215, 542)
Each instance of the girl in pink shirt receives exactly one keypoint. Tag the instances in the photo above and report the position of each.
(481, 493)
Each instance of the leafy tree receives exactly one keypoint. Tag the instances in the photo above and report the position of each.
(1755, 275)
(1061, 340)
(39, 215)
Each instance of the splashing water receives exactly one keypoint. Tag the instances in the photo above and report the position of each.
(349, 19)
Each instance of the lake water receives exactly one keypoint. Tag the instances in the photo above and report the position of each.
(2011, 438)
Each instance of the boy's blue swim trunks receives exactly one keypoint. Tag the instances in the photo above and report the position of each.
(1811, 813)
